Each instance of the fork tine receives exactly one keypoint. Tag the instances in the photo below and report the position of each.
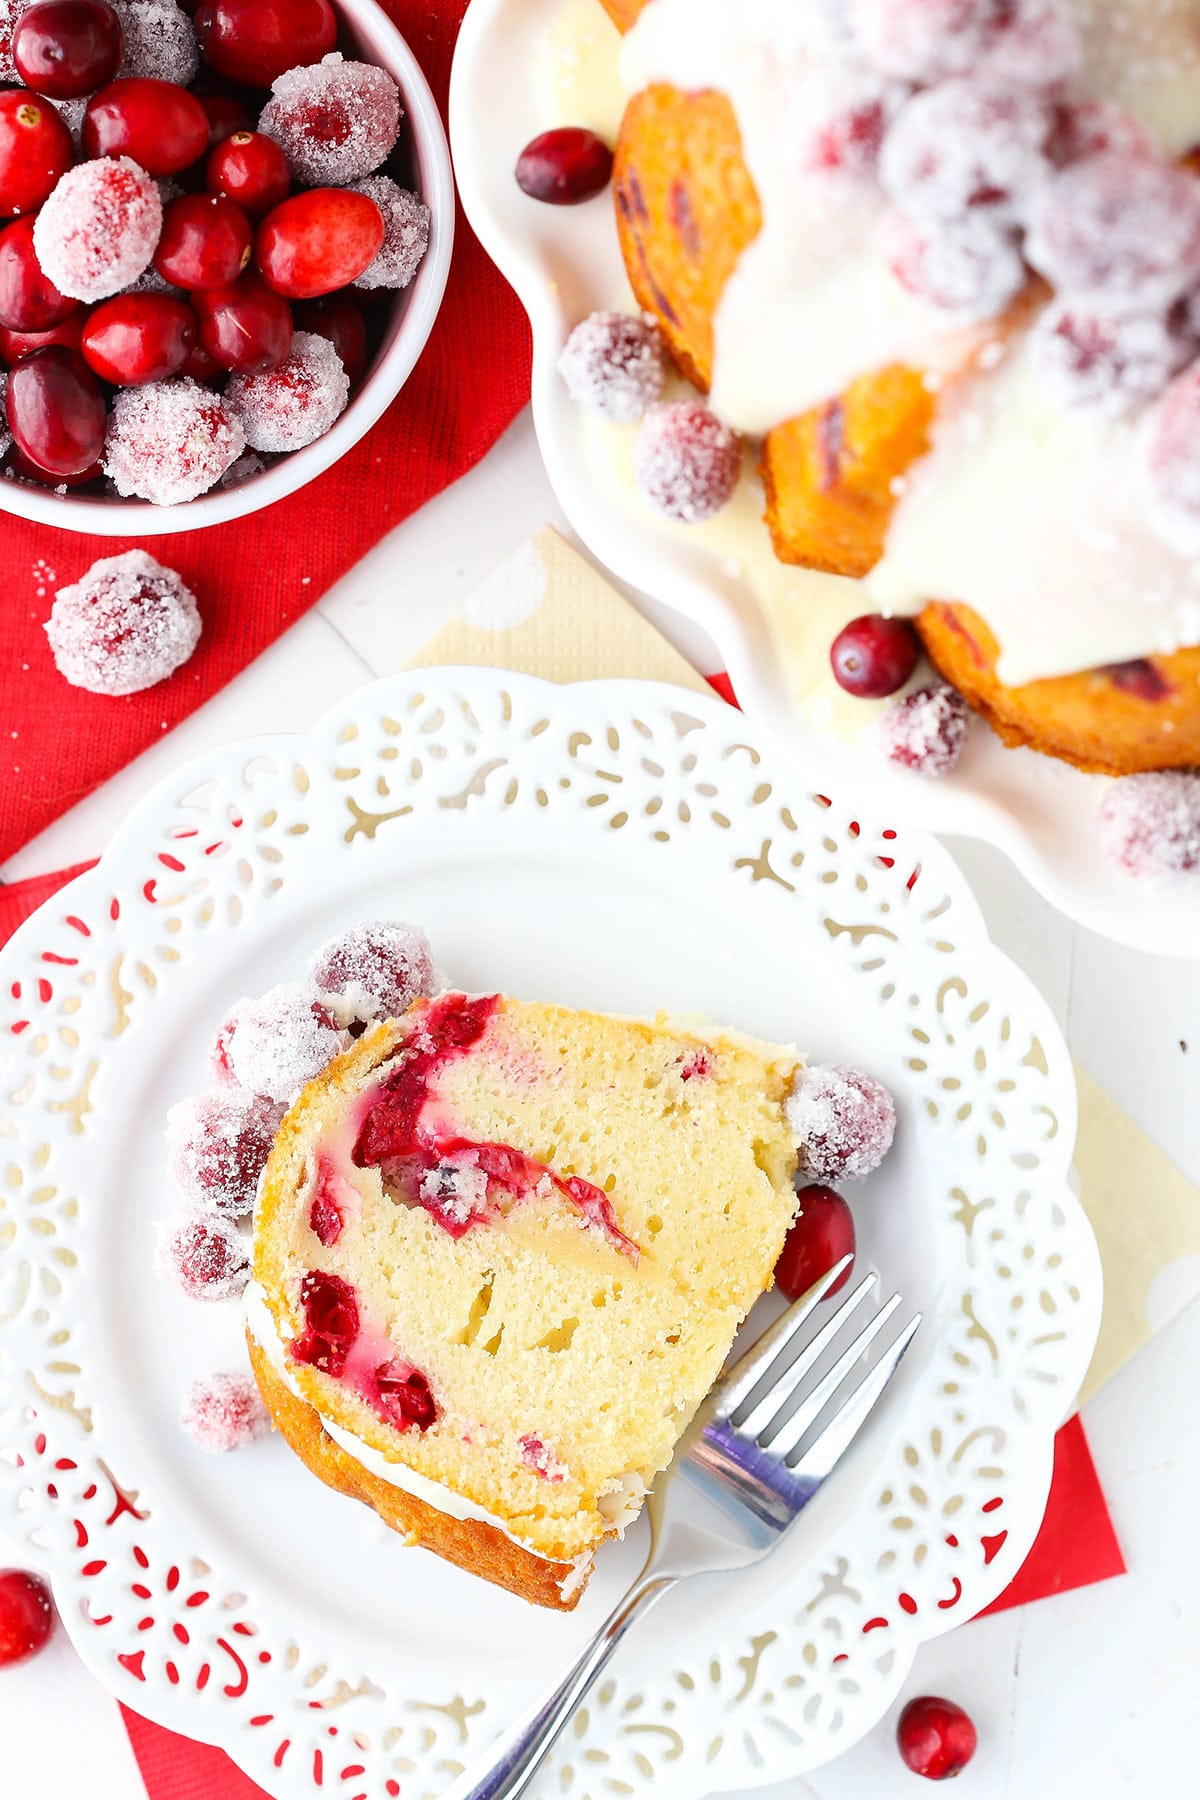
(827, 1449)
(787, 1373)
(782, 1434)
(734, 1388)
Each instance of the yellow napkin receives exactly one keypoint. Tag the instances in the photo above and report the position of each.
(548, 612)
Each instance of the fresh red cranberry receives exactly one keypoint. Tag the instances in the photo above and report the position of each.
(227, 114)
(873, 656)
(565, 166)
(26, 1616)
(404, 1395)
(340, 319)
(135, 338)
(56, 411)
(68, 48)
(157, 123)
(822, 1234)
(318, 241)
(16, 344)
(26, 470)
(936, 1738)
(255, 41)
(200, 366)
(35, 151)
(205, 242)
(250, 169)
(330, 1322)
(246, 328)
(29, 300)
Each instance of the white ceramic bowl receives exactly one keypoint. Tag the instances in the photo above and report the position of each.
(365, 31)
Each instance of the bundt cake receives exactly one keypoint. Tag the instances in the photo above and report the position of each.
(501, 1251)
(942, 257)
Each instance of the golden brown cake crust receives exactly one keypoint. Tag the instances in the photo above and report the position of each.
(475, 1546)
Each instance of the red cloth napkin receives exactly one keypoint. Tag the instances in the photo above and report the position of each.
(254, 577)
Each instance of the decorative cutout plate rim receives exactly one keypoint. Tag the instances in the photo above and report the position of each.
(1035, 809)
(615, 781)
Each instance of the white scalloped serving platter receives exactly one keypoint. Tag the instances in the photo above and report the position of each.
(563, 263)
(618, 845)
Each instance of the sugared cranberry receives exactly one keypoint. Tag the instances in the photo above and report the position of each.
(404, 1396)
(227, 115)
(1033, 43)
(335, 122)
(280, 1041)
(842, 117)
(255, 41)
(405, 233)
(26, 1616)
(926, 731)
(822, 1234)
(126, 624)
(139, 337)
(614, 364)
(68, 48)
(375, 970)
(97, 232)
(160, 42)
(218, 1144)
(35, 152)
(844, 1118)
(922, 40)
(1122, 230)
(565, 166)
(251, 170)
(338, 318)
(330, 1322)
(205, 1257)
(224, 1412)
(966, 147)
(936, 1738)
(162, 127)
(873, 656)
(318, 241)
(969, 269)
(205, 242)
(56, 411)
(685, 462)
(1168, 463)
(170, 441)
(246, 327)
(1150, 826)
(1106, 362)
(29, 300)
(1097, 128)
(294, 403)
(16, 344)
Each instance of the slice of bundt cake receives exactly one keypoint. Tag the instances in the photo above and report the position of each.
(501, 1252)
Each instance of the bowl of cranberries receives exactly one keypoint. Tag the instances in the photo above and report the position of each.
(225, 231)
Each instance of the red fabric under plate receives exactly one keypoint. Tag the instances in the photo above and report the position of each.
(254, 577)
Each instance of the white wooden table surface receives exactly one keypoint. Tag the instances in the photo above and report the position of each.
(1094, 1693)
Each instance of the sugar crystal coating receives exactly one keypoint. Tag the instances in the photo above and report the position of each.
(1122, 230)
(1032, 43)
(279, 1042)
(925, 731)
(967, 146)
(614, 364)
(841, 117)
(845, 1121)
(205, 1257)
(99, 228)
(335, 121)
(969, 269)
(922, 40)
(1097, 128)
(1150, 826)
(224, 1412)
(1167, 463)
(244, 469)
(160, 41)
(125, 625)
(170, 441)
(406, 233)
(218, 1144)
(10, 13)
(1104, 361)
(685, 462)
(374, 970)
(297, 401)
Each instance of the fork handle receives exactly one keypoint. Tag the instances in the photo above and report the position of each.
(517, 1754)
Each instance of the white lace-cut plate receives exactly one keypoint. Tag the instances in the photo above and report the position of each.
(618, 845)
(563, 263)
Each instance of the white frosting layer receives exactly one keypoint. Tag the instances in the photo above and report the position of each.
(1025, 514)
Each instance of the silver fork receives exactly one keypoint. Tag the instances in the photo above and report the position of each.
(742, 1474)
